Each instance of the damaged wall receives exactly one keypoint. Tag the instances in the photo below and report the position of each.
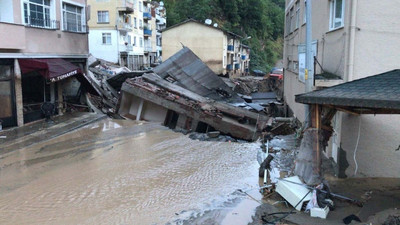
(379, 138)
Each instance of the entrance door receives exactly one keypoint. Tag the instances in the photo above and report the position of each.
(7, 102)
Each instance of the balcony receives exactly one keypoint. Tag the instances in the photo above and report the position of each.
(148, 49)
(231, 48)
(124, 26)
(125, 48)
(42, 23)
(237, 66)
(243, 57)
(125, 6)
(146, 16)
(229, 67)
(147, 32)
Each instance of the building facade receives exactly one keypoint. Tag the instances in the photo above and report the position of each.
(116, 31)
(219, 49)
(351, 40)
(43, 47)
(154, 22)
(123, 32)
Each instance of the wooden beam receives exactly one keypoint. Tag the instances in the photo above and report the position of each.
(316, 124)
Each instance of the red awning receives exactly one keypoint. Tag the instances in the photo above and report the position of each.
(52, 69)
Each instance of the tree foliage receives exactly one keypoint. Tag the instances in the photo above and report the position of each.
(263, 20)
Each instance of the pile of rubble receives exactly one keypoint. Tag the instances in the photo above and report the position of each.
(102, 76)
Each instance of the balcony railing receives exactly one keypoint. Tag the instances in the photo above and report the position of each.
(42, 23)
(148, 48)
(147, 15)
(229, 67)
(237, 66)
(75, 27)
(231, 48)
(124, 26)
(147, 32)
(125, 6)
(243, 57)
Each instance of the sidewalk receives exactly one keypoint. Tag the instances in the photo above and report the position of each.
(19, 137)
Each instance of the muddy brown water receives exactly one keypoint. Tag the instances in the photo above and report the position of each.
(123, 172)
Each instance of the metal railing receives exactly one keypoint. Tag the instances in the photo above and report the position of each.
(75, 27)
(42, 23)
(148, 49)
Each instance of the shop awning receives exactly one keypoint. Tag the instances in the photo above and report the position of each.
(52, 69)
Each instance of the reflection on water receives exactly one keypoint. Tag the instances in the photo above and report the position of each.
(120, 172)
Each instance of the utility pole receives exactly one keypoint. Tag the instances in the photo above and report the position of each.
(309, 73)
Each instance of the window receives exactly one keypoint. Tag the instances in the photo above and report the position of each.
(37, 14)
(72, 18)
(287, 24)
(140, 24)
(140, 6)
(106, 38)
(135, 22)
(134, 41)
(292, 22)
(305, 12)
(129, 39)
(102, 17)
(141, 42)
(336, 14)
(297, 14)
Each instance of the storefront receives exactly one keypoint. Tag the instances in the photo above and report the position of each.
(26, 84)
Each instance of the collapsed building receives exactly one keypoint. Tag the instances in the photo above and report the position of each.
(184, 93)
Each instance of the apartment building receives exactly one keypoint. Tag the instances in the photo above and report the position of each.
(221, 50)
(116, 32)
(154, 21)
(351, 40)
(43, 49)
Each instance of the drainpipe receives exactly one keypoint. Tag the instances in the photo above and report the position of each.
(353, 18)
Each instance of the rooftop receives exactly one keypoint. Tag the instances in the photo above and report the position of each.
(374, 94)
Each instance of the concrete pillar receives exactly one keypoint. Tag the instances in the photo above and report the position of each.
(52, 93)
(60, 98)
(18, 93)
(139, 112)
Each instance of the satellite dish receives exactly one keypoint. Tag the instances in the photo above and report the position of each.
(215, 24)
(208, 22)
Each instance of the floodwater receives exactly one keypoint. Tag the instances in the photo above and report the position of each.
(124, 172)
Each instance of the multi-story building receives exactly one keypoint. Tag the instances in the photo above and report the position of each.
(43, 47)
(154, 22)
(116, 32)
(221, 50)
(351, 40)
(161, 23)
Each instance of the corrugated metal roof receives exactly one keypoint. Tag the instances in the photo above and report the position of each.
(191, 73)
(380, 91)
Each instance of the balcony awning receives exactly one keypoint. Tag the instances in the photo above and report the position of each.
(52, 69)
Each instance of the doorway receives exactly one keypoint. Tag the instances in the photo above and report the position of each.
(7, 96)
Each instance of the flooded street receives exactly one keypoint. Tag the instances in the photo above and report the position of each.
(123, 172)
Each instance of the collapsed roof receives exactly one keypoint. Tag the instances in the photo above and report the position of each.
(187, 70)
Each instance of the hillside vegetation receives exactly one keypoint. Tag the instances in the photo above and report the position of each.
(263, 20)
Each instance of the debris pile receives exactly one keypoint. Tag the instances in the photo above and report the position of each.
(183, 93)
(102, 76)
